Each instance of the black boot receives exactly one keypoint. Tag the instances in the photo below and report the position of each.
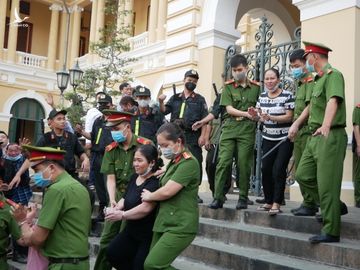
(242, 204)
(216, 204)
(101, 216)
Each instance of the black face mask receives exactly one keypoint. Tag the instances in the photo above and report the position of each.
(190, 86)
(102, 107)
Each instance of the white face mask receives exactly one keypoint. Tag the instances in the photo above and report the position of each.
(143, 103)
(273, 89)
(148, 170)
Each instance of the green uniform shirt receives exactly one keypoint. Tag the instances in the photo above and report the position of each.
(66, 212)
(8, 226)
(180, 213)
(119, 162)
(303, 95)
(328, 83)
(356, 116)
(241, 98)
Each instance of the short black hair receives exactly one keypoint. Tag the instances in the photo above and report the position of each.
(150, 152)
(273, 70)
(126, 100)
(238, 60)
(123, 85)
(297, 54)
(171, 132)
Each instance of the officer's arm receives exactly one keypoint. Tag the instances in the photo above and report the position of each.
(237, 113)
(35, 237)
(301, 120)
(330, 111)
(111, 187)
(286, 118)
(357, 134)
(140, 211)
(170, 189)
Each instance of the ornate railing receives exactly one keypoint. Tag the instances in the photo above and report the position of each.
(31, 60)
(139, 41)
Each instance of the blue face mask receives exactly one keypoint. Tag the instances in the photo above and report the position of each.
(309, 67)
(118, 136)
(297, 73)
(39, 179)
(13, 158)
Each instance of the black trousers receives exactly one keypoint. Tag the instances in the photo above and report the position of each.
(274, 170)
(210, 168)
(128, 251)
(100, 179)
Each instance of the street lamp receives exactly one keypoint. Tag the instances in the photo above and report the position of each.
(75, 75)
(62, 80)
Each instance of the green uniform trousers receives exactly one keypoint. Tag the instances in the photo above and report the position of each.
(111, 229)
(299, 147)
(356, 177)
(83, 265)
(165, 247)
(320, 173)
(3, 264)
(240, 141)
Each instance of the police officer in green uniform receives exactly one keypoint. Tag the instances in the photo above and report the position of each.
(321, 165)
(356, 154)
(186, 108)
(177, 221)
(299, 131)
(64, 220)
(117, 164)
(148, 117)
(8, 226)
(238, 132)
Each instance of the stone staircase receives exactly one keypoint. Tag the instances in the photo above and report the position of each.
(253, 240)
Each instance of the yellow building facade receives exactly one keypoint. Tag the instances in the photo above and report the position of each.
(168, 38)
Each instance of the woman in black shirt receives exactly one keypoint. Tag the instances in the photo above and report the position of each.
(131, 246)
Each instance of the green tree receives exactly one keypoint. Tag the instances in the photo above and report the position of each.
(110, 69)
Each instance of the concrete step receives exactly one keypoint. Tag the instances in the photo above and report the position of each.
(343, 254)
(350, 223)
(183, 263)
(230, 256)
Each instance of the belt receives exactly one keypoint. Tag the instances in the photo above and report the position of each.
(313, 129)
(67, 260)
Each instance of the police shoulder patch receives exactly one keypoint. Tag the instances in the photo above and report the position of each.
(111, 146)
(254, 82)
(230, 81)
(186, 155)
(142, 140)
(308, 79)
(358, 105)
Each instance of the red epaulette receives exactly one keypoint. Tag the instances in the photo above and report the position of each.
(230, 81)
(358, 106)
(308, 79)
(186, 155)
(142, 140)
(254, 82)
(111, 146)
(2, 204)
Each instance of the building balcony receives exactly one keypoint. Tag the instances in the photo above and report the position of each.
(31, 60)
(139, 41)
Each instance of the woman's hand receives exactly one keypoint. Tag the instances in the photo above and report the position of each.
(19, 213)
(114, 215)
(146, 195)
(31, 213)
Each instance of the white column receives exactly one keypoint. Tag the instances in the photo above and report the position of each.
(93, 21)
(121, 16)
(13, 33)
(62, 38)
(153, 20)
(75, 34)
(100, 19)
(128, 20)
(162, 15)
(53, 35)
(3, 5)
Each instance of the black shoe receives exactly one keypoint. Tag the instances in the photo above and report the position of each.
(283, 202)
(20, 258)
(295, 209)
(262, 201)
(324, 238)
(199, 200)
(357, 204)
(250, 202)
(216, 204)
(100, 217)
(242, 204)
(343, 211)
(304, 211)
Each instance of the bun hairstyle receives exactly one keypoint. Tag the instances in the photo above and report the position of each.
(172, 132)
(150, 152)
(276, 71)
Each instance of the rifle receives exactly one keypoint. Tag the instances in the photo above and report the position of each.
(174, 89)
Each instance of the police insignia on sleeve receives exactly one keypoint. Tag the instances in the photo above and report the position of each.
(111, 146)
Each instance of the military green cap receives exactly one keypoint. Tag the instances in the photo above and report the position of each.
(114, 118)
(40, 154)
(312, 47)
